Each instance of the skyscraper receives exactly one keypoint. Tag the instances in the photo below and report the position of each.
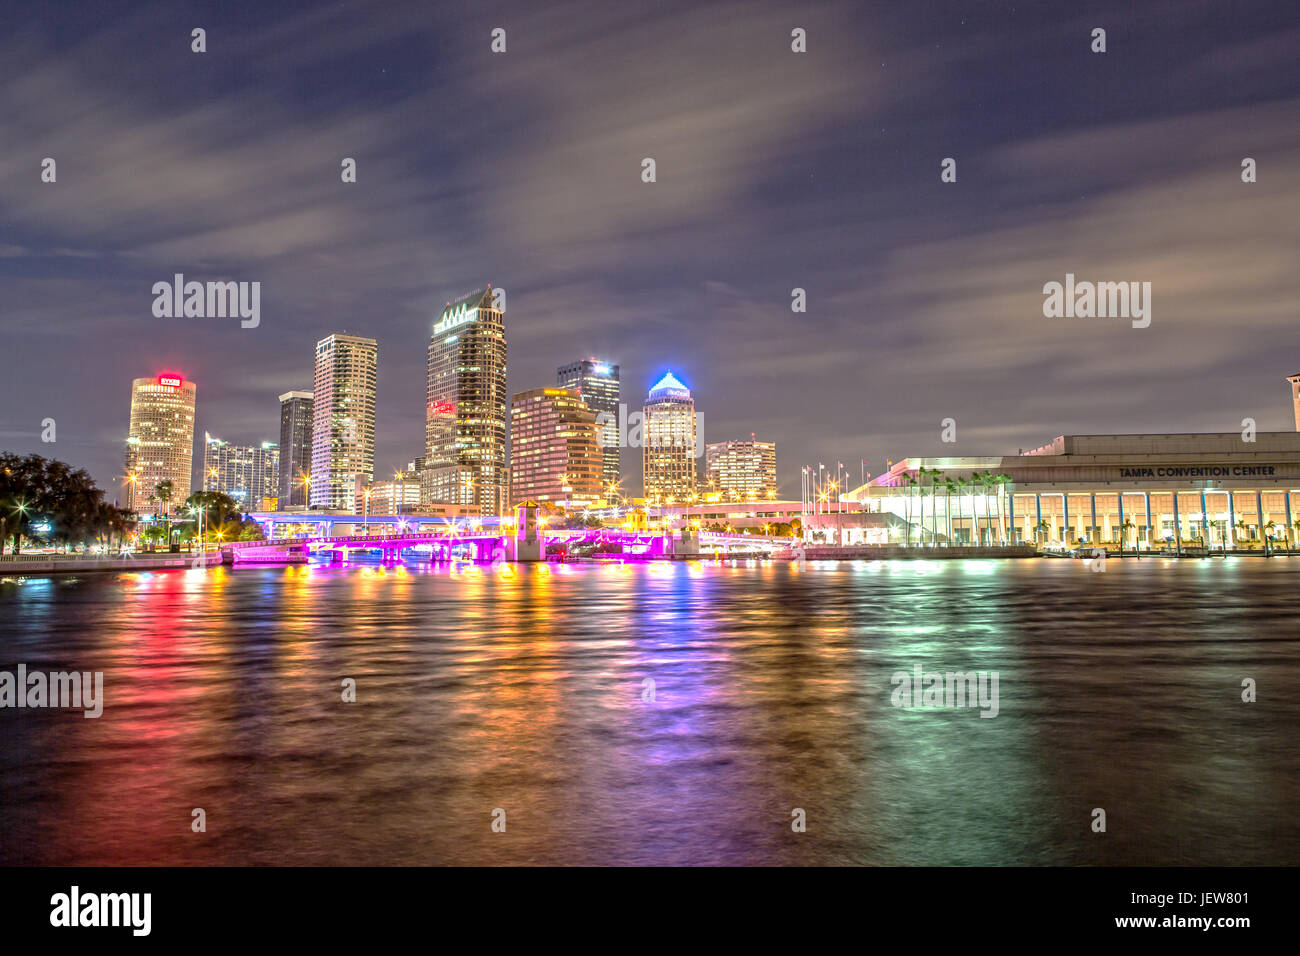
(247, 473)
(295, 448)
(160, 440)
(554, 451)
(741, 470)
(597, 382)
(668, 443)
(465, 407)
(343, 419)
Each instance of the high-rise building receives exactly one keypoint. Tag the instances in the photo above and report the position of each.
(1295, 397)
(160, 440)
(597, 382)
(741, 470)
(668, 442)
(555, 452)
(247, 473)
(295, 449)
(343, 419)
(465, 407)
(399, 495)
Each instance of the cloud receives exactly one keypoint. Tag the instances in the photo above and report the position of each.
(775, 170)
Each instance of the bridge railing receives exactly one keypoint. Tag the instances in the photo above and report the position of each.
(403, 536)
(264, 543)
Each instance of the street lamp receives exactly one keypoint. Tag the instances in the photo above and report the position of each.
(198, 513)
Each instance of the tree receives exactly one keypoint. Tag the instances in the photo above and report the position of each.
(16, 489)
(164, 490)
(949, 486)
(982, 479)
(63, 499)
(114, 521)
(1000, 482)
(217, 508)
(910, 482)
(931, 490)
(962, 485)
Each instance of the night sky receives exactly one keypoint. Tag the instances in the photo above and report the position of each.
(775, 170)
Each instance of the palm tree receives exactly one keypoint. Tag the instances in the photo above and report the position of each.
(979, 480)
(928, 491)
(1042, 528)
(1125, 528)
(910, 482)
(1270, 527)
(920, 495)
(1000, 482)
(1237, 518)
(936, 481)
(962, 484)
(986, 483)
(949, 486)
(164, 492)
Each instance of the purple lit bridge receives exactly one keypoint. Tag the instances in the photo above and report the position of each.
(488, 539)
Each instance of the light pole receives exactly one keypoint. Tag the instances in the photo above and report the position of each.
(365, 518)
(198, 517)
(839, 520)
(399, 475)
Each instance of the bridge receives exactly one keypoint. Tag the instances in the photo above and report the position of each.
(515, 538)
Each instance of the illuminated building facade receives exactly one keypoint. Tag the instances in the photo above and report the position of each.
(741, 470)
(466, 407)
(399, 495)
(343, 418)
(1148, 491)
(295, 448)
(160, 440)
(555, 452)
(598, 384)
(247, 473)
(668, 442)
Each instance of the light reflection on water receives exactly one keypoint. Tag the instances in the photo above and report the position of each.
(479, 689)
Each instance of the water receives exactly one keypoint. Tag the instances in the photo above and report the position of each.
(523, 691)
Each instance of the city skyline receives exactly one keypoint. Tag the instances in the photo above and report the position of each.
(745, 456)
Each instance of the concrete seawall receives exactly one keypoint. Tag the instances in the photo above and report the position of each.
(893, 552)
(139, 562)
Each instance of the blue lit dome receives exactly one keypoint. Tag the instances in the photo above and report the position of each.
(669, 387)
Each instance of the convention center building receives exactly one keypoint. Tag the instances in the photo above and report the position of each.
(1231, 490)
